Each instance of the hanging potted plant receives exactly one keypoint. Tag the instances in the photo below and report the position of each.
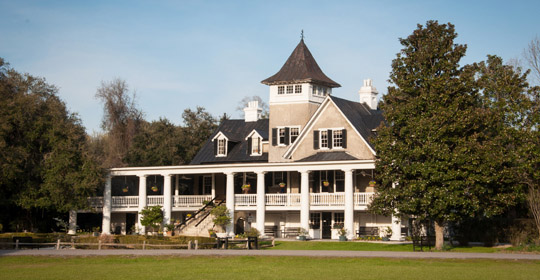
(282, 184)
(154, 188)
(372, 183)
(326, 183)
(246, 187)
(125, 189)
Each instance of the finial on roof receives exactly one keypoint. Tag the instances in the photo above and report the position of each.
(302, 35)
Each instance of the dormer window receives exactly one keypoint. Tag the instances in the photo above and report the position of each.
(256, 146)
(220, 145)
(255, 142)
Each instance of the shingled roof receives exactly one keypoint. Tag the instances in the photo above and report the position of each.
(301, 67)
(236, 131)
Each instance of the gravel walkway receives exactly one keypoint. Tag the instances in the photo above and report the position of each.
(296, 253)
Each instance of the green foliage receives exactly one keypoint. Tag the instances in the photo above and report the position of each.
(43, 159)
(152, 216)
(222, 216)
(198, 126)
(447, 134)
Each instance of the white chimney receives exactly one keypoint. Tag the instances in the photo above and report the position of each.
(252, 112)
(368, 94)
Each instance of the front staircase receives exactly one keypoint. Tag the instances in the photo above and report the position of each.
(200, 222)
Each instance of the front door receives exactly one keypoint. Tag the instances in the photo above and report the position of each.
(326, 225)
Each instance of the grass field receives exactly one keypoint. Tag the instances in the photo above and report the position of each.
(126, 267)
(368, 246)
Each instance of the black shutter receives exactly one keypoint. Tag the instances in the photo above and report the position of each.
(215, 146)
(330, 143)
(315, 139)
(200, 187)
(287, 133)
(344, 138)
(248, 151)
(331, 180)
(274, 136)
(317, 181)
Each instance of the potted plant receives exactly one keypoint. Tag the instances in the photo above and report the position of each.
(154, 188)
(212, 233)
(282, 184)
(170, 229)
(222, 218)
(246, 187)
(386, 233)
(342, 234)
(302, 234)
(95, 231)
(372, 183)
(125, 189)
(326, 183)
(337, 225)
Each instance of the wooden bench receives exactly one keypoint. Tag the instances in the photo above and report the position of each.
(367, 231)
(290, 231)
(251, 242)
(270, 231)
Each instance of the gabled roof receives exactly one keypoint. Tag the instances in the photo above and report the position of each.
(301, 67)
(236, 131)
(359, 116)
(262, 134)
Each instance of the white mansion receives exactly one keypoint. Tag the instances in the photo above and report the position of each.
(308, 166)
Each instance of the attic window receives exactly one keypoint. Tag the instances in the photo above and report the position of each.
(298, 89)
(256, 149)
(289, 89)
(281, 90)
(334, 138)
(221, 147)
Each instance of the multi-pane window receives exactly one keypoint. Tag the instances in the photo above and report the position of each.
(339, 218)
(294, 132)
(221, 147)
(340, 180)
(289, 89)
(207, 185)
(324, 139)
(315, 220)
(337, 138)
(282, 136)
(256, 145)
(281, 90)
(298, 89)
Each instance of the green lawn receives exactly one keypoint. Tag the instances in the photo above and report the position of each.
(128, 267)
(367, 246)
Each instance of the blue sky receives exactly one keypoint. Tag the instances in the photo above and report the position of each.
(180, 54)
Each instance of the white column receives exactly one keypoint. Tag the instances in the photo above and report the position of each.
(72, 222)
(176, 185)
(107, 206)
(261, 202)
(396, 224)
(229, 201)
(396, 228)
(304, 200)
(142, 203)
(167, 199)
(213, 185)
(349, 203)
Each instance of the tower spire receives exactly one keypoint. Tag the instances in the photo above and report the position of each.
(302, 35)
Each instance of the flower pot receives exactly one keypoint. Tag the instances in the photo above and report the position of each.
(282, 185)
(326, 183)
(343, 238)
(302, 238)
(154, 189)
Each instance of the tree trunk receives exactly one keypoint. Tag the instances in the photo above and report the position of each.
(439, 235)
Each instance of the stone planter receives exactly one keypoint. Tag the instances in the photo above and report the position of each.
(343, 238)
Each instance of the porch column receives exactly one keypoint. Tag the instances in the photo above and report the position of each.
(142, 203)
(261, 202)
(107, 205)
(72, 222)
(213, 193)
(167, 199)
(176, 185)
(396, 224)
(304, 200)
(229, 201)
(349, 204)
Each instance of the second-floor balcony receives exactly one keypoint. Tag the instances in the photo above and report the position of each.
(241, 200)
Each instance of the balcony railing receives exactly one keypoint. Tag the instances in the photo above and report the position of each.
(245, 200)
(272, 199)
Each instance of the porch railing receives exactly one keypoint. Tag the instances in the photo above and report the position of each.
(190, 200)
(153, 200)
(245, 200)
(283, 199)
(125, 201)
(96, 201)
(327, 199)
(362, 199)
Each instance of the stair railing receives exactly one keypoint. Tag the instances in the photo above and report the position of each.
(208, 204)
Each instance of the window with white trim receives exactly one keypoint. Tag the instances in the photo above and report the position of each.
(222, 147)
(256, 148)
(207, 184)
(298, 89)
(289, 89)
(294, 132)
(281, 135)
(280, 89)
(324, 139)
(337, 138)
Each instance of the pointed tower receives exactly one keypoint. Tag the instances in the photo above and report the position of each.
(296, 91)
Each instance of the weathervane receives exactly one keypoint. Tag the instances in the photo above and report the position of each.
(302, 34)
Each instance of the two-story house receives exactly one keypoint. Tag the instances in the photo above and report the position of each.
(309, 165)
